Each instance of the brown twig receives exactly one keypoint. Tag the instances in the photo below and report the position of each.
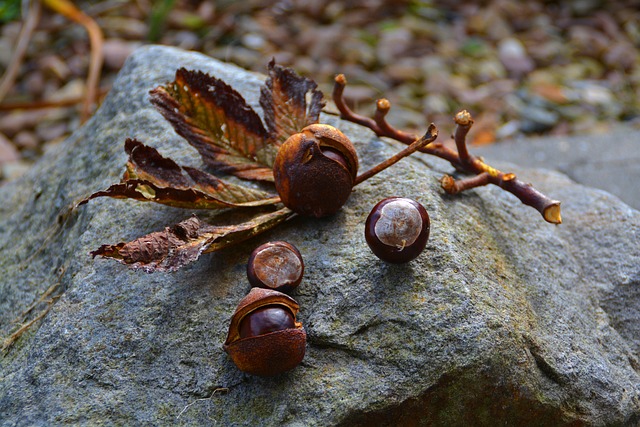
(429, 137)
(453, 186)
(11, 339)
(382, 128)
(338, 98)
(382, 108)
(30, 23)
(461, 160)
(68, 10)
(464, 121)
(44, 104)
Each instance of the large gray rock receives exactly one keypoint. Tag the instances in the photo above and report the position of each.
(504, 319)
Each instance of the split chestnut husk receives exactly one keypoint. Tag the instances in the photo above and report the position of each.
(315, 170)
(271, 353)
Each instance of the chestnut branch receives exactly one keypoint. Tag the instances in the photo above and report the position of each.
(460, 158)
(426, 139)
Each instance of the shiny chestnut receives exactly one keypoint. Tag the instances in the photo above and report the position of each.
(264, 336)
(264, 320)
(275, 265)
(315, 170)
(397, 229)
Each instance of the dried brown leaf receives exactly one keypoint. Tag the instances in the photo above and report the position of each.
(152, 177)
(218, 122)
(284, 102)
(183, 243)
(232, 139)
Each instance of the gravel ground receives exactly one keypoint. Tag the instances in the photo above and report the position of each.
(520, 68)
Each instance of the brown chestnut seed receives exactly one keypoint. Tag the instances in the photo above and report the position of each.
(275, 265)
(256, 343)
(335, 155)
(264, 320)
(397, 229)
(315, 170)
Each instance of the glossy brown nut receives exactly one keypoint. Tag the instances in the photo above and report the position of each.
(270, 353)
(264, 320)
(315, 169)
(397, 229)
(275, 265)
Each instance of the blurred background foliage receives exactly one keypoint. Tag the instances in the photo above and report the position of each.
(9, 10)
(521, 68)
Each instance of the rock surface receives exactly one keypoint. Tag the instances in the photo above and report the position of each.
(504, 319)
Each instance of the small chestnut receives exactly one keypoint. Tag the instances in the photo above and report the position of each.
(397, 229)
(315, 170)
(264, 337)
(275, 265)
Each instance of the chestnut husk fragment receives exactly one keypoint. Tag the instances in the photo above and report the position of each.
(272, 353)
(309, 181)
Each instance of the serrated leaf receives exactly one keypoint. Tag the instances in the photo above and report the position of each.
(231, 138)
(183, 243)
(218, 122)
(152, 177)
(289, 101)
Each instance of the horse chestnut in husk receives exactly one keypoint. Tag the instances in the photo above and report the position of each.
(315, 170)
(397, 229)
(264, 320)
(275, 265)
(264, 337)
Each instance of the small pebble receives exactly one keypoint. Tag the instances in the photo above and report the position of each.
(116, 51)
(14, 170)
(26, 140)
(8, 151)
(514, 57)
(535, 119)
(15, 121)
(49, 131)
